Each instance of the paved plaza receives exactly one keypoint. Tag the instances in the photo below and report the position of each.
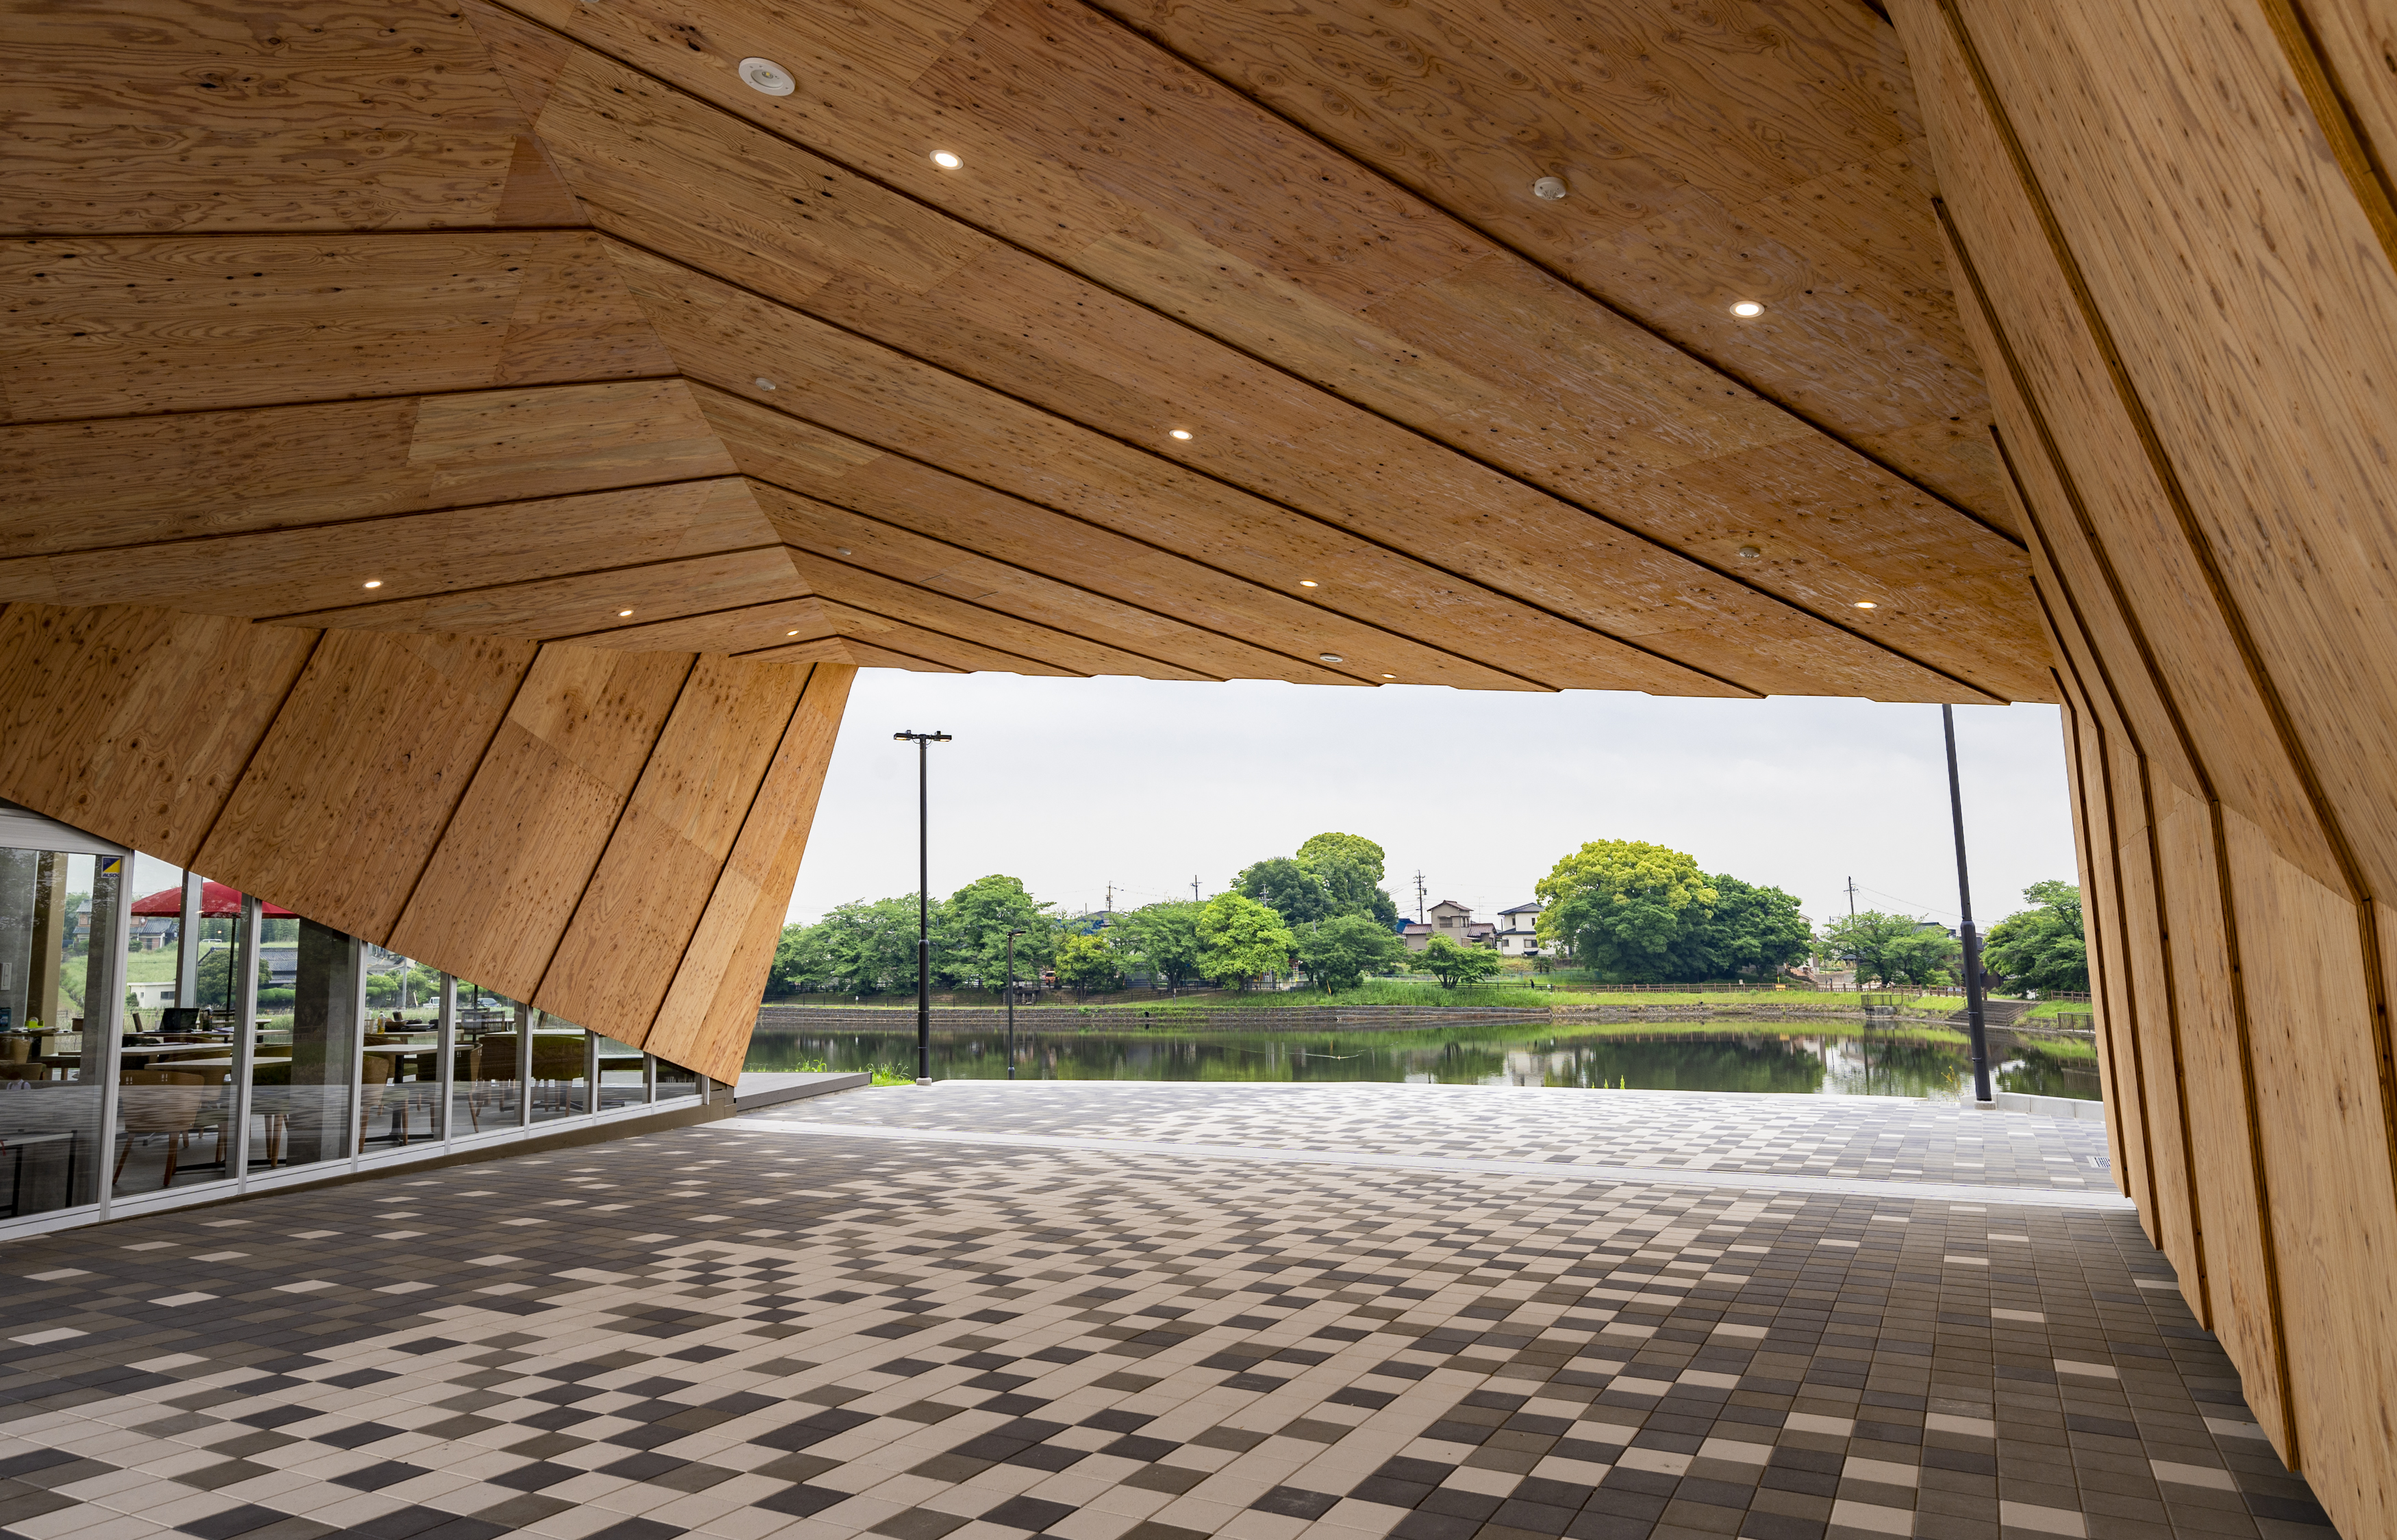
(1129, 1311)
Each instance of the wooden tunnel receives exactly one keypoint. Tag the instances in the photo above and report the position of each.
(456, 457)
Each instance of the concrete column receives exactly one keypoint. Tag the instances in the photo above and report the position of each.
(187, 942)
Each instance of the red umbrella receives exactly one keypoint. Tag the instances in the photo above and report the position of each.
(216, 902)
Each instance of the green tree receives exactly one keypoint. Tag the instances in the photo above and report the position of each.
(1355, 847)
(1239, 938)
(1618, 903)
(1350, 868)
(1165, 937)
(216, 967)
(1893, 949)
(971, 944)
(1339, 952)
(1087, 963)
(1747, 931)
(2041, 947)
(859, 948)
(1454, 965)
(1286, 887)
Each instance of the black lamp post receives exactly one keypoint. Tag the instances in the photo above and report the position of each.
(1974, 1027)
(923, 742)
(1010, 1002)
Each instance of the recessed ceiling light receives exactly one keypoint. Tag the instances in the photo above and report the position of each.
(374, 582)
(763, 383)
(764, 75)
(946, 160)
(790, 633)
(1749, 551)
(622, 613)
(1551, 188)
(1748, 307)
(1178, 432)
(1331, 657)
(1307, 582)
(1867, 604)
(1389, 675)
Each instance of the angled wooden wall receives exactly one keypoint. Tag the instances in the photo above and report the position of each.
(611, 835)
(2171, 233)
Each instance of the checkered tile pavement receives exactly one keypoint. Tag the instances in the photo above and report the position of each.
(737, 1329)
(1868, 1137)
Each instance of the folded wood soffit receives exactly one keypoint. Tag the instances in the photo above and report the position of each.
(1234, 345)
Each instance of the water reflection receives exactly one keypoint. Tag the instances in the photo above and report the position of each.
(1491, 1056)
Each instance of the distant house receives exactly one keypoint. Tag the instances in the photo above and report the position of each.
(1519, 934)
(1453, 920)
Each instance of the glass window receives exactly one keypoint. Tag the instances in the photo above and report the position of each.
(52, 904)
(674, 1080)
(561, 1080)
(400, 1061)
(488, 1094)
(623, 1074)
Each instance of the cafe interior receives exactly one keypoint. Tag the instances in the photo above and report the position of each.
(255, 1047)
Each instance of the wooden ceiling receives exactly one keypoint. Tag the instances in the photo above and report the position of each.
(539, 318)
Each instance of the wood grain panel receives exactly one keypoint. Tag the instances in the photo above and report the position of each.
(1672, 176)
(858, 496)
(110, 327)
(1030, 327)
(729, 338)
(637, 915)
(1308, 312)
(854, 585)
(2152, 957)
(193, 115)
(2220, 1120)
(944, 647)
(867, 654)
(494, 900)
(743, 629)
(901, 555)
(136, 724)
(2113, 997)
(81, 486)
(2275, 448)
(2065, 373)
(2326, 1145)
(410, 558)
(342, 806)
(575, 606)
(711, 1008)
(829, 650)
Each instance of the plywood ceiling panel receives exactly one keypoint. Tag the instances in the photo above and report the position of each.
(1440, 431)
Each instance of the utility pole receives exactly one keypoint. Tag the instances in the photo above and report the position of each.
(1419, 896)
(1852, 898)
(1111, 904)
(1974, 1027)
(1194, 889)
(923, 742)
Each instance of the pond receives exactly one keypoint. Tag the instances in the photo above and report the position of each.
(1796, 1063)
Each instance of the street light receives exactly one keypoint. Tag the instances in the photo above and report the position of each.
(923, 898)
(1010, 1002)
(1974, 1027)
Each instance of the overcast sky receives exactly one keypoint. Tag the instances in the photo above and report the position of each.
(1072, 784)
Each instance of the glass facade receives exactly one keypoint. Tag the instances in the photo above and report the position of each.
(274, 1049)
(61, 945)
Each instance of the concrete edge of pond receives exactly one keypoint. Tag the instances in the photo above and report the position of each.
(2046, 1106)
